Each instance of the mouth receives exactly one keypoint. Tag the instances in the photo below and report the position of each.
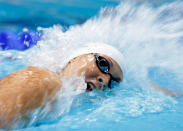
(90, 86)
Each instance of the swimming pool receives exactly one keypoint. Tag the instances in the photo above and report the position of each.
(34, 13)
(149, 37)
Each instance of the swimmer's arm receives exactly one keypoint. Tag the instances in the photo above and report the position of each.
(159, 88)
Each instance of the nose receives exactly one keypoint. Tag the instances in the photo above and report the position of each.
(103, 81)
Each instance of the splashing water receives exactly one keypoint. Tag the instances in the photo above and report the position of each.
(151, 42)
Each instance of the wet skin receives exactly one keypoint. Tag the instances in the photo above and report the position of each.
(27, 89)
(94, 77)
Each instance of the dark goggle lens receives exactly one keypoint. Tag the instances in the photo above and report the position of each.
(103, 64)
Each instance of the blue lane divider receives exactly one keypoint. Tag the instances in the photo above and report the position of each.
(21, 42)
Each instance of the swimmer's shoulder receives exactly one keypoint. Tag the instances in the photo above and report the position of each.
(30, 76)
(26, 90)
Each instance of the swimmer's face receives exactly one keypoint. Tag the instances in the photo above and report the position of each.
(99, 70)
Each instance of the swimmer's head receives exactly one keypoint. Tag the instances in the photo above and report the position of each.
(99, 63)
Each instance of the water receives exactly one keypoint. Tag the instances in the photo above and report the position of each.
(150, 39)
(18, 14)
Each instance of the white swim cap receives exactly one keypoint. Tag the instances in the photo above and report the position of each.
(101, 48)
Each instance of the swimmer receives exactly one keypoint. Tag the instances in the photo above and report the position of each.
(25, 90)
(28, 89)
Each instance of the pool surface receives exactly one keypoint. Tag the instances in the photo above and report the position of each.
(150, 36)
(34, 13)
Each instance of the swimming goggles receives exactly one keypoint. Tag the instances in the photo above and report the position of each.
(104, 66)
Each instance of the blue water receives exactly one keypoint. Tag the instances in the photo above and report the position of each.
(18, 14)
(149, 34)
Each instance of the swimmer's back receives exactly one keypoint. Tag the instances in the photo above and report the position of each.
(26, 90)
